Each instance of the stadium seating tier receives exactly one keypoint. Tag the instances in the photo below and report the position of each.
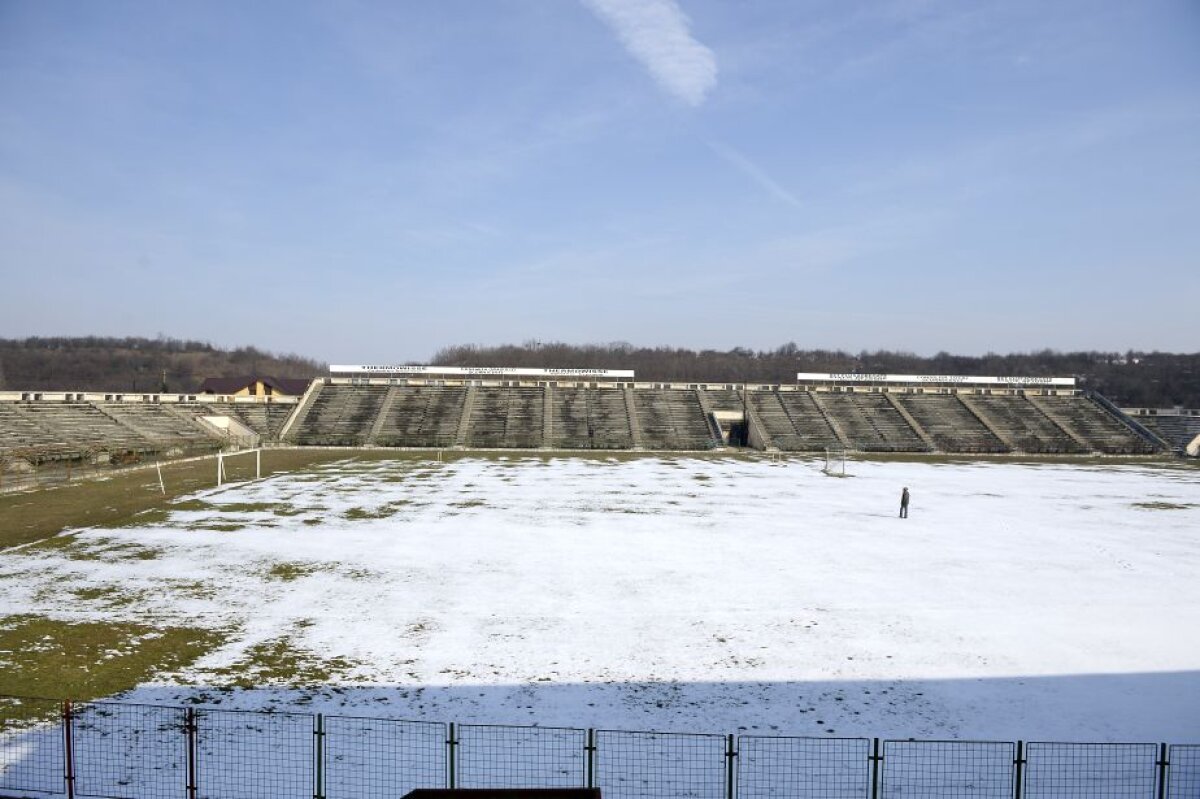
(526, 417)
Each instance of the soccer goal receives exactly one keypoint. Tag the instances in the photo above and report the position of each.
(835, 461)
(223, 476)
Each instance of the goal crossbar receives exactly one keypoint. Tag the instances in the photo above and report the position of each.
(835, 461)
(223, 478)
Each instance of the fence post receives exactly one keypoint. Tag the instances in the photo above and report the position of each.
(451, 745)
(1163, 763)
(876, 759)
(189, 729)
(319, 757)
(730, 765)
(590, 749)
(68, 749)
(1019, 771)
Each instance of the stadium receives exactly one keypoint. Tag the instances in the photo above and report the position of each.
(601, 399)
(480, 577)
(596, 409)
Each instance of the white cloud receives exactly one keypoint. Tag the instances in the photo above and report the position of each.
(655, 32)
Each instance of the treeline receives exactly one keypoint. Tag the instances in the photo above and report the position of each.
(1131, 379)
(135, 364)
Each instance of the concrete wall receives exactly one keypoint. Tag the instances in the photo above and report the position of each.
(715, 384)
(116, 396)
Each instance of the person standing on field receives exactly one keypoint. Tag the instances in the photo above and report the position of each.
(904, 503)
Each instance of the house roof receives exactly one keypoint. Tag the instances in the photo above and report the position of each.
(232, 385)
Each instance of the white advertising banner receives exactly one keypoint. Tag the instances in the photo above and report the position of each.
(480, 371)
(969, 380)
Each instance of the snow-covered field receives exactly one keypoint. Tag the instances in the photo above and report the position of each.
(1052, 602)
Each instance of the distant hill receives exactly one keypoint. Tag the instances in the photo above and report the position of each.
(1131, 379)
(135, 364)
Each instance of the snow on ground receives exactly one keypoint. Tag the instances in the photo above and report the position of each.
(1052, 602)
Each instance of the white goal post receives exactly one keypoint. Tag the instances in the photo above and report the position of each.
(222, 478)
(835, 461)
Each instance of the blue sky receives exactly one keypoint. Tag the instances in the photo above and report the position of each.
(365, 182)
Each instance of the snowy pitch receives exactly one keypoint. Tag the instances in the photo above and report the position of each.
(1053, 602)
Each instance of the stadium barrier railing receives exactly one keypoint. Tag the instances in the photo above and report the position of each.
(115, 750)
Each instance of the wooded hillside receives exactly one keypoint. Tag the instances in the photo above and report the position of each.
(1131, 379)
(135, 364)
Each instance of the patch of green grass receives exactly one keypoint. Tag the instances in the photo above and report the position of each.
(108, 597)
(93, 593)
(287, 572)
(138, 552)
(194, 589)
(468, 503)
(361, 574)
(1159, 505)
(220, 527)
(54, 544)
(246, 507)
(281, 662)
(58, 659)
(382, 512)
(20, 712)
(70, 546)
(357, 514)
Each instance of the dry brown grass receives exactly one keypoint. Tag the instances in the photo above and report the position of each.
(41, 513)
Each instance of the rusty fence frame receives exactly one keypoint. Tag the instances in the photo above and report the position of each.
(117, 750)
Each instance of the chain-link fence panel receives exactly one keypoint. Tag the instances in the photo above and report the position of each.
(1090, 771)
(948, 769)
(367, 758)
(662, 765)
(1183, 775)
(497, 756)
(127, 751)
(811, 768)
(249, 755)
(31, 746)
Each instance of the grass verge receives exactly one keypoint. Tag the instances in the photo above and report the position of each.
(34, 515)
(42, 657)
(280, 662)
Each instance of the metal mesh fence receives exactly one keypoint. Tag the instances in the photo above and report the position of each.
(31, 745)
(662, 765)
(249, 755)
(1094, 771)
(367, 758)
(948, 769)
(1183, 776)
(496, 756)
(129, 751)
(812, 768)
